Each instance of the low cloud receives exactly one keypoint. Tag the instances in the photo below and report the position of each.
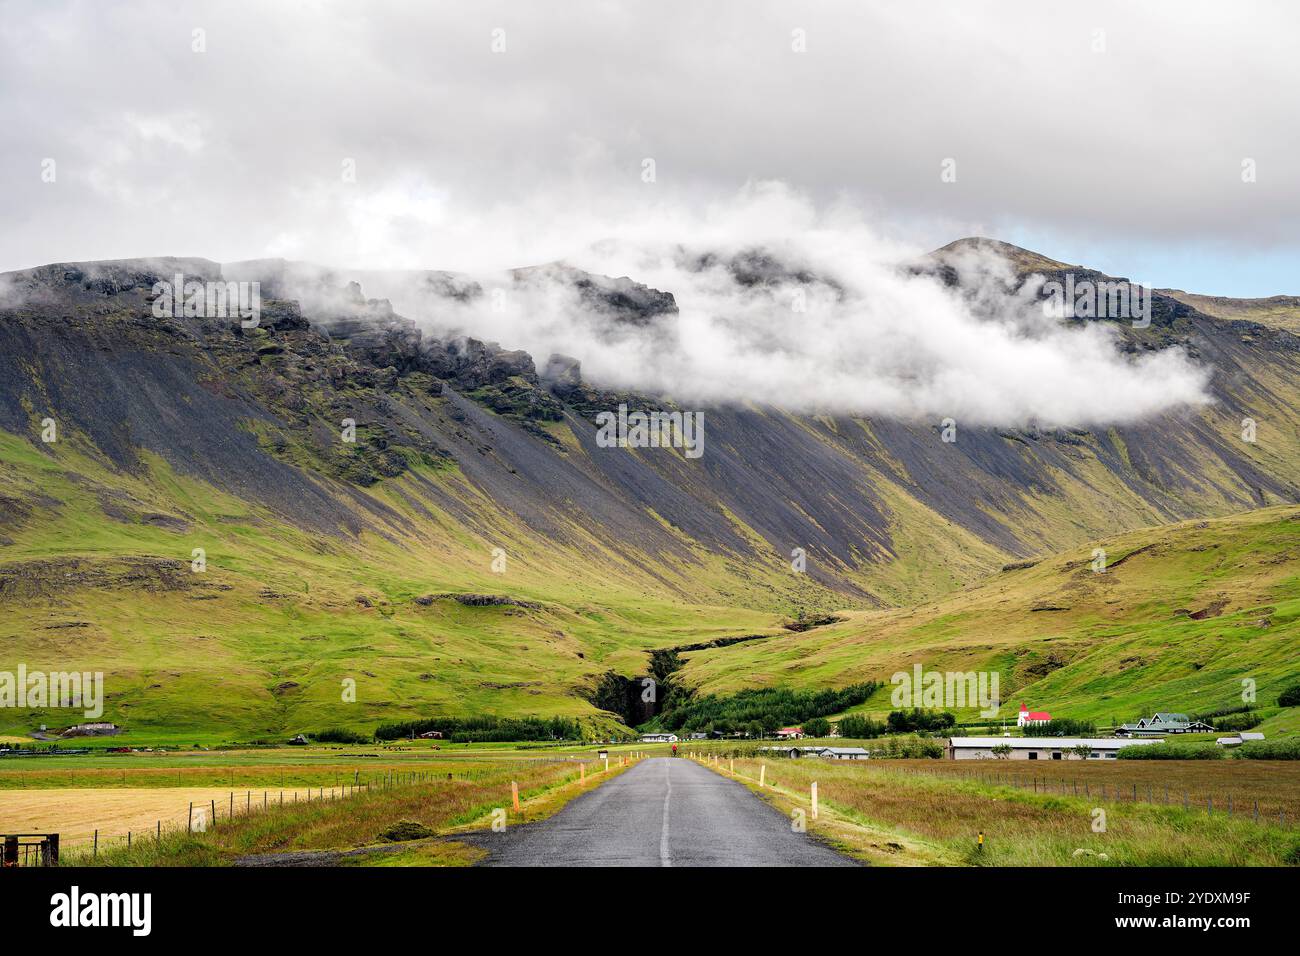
(810, 310)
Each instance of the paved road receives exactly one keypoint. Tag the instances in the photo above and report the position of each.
(665, 811)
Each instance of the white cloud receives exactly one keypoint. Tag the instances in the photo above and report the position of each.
(874, 338)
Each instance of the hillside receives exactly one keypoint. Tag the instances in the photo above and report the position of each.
(1277, 312)
(328, 560)
(1182, 615)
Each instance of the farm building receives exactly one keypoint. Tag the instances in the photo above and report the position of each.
(1161, 724)
(1038, 748)
(844, 753)
(658, 738)
(789, 733)
(790, 750)
(1236, 740)
(94, 729)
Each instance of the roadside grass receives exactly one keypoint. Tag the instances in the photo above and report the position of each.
(357, 821)
(936, 819)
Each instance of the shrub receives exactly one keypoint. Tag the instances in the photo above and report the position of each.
(857, 726)
(1268, 750)
(338, 735)
(769, 707)
(1169, 751)
(905, 721)
(486, 729)
(1238, 721)
(816, 727)
(1290, 697)
(1061, 727)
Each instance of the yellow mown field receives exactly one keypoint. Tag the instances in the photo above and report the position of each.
(75, 814)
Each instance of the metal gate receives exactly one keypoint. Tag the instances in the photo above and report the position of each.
(29, 849)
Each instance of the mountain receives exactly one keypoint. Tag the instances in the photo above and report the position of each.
(1180, 618)
(474, 549)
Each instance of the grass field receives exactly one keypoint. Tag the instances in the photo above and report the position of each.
(895, 814)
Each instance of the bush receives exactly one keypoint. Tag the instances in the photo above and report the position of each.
(1268, 750)
(486, 729)
(1061, 727)
(337, 735)
(768, 707)
(1290, 697)
(1238, 721)
(859, 727)
(910, 721)
(817, 727)
(1168, 751)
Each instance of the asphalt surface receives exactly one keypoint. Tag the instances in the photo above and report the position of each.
(665, 811)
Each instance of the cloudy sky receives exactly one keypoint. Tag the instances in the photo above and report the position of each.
(497, 134)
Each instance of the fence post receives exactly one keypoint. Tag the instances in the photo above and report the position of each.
(814, 800)
(514, 794)
(189, 822)
(762, 773)
(95, 852)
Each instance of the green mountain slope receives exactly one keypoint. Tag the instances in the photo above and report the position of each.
(1181, 617)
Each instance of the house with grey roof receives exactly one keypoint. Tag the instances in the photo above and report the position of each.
(1163, 723)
